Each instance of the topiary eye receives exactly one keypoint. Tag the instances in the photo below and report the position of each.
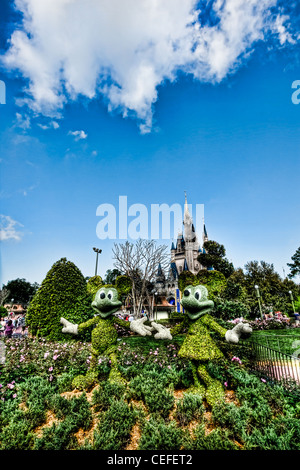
(187, 292)
(110, 294)
(198, 294)
(102, 295)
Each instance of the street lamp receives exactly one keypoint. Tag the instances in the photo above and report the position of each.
(155, 293)
(292, 299)
(258, 298)
(98, 251)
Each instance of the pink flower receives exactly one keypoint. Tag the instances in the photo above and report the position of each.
(226, 384)
(46, 355)
(263, 380)
(14, 395)
(55, 357)
(50, 369)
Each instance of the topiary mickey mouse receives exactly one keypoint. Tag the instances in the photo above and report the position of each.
(104, 334)
(198, 345)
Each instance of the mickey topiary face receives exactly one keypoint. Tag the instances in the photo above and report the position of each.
(106, 301)
(195, 301)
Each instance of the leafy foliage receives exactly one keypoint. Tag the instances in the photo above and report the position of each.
(214, 257)
(20, 290)
(189, 407)
(157, 435)
(63, 293)
(114, 427)
(295, 265)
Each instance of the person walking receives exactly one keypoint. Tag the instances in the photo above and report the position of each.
(8, 329)
(22, 323)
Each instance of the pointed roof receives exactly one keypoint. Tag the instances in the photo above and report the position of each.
(159, 271)
(185, 266)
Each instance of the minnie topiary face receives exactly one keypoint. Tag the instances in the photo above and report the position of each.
(106, 302)
(195, 301)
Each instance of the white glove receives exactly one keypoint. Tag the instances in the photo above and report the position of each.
(233, 336)
(163, 332)
(69, 327)
(137, 326)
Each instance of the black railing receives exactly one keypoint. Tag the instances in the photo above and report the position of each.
(277, 358)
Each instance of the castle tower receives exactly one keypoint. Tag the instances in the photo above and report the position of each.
(187, 248)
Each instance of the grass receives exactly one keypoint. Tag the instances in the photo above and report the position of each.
(280, 340)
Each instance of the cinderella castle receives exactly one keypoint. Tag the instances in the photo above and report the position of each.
(184, 256)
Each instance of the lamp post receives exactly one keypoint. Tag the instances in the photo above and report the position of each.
(258, 298)
(155, 293)
(292, 299)
(98, 251)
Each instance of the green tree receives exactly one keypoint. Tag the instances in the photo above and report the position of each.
(295, 266)
(111, 276)
(20, 290)
(273, 290)
(63, 293)
(214, 257)
(236, 287)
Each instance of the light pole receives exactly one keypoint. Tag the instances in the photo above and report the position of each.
(98, 251)
(155, 293)
(258, 298)
(292, 299)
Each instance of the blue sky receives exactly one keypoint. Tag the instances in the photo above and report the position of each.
(82, 127)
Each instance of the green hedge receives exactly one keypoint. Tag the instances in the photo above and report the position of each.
(63, 293)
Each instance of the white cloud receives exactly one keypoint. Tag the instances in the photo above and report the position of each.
(22, 121)
(8, 230)
(124, 49)
(52, 124)
(78, 135)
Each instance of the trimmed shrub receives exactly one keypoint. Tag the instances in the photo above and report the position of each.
(105, 394)
(188, 408)
(94, 284)
(63, 293)
(113, 431)
(150, 387)
(156, 435)
(218, 439)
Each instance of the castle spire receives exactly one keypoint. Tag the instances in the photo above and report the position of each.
(205, 237)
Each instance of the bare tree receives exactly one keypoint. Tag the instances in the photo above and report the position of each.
(140, 261)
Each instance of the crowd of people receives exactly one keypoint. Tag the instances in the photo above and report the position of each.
(12, 325)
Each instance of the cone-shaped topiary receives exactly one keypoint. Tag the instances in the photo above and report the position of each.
(63, 293)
